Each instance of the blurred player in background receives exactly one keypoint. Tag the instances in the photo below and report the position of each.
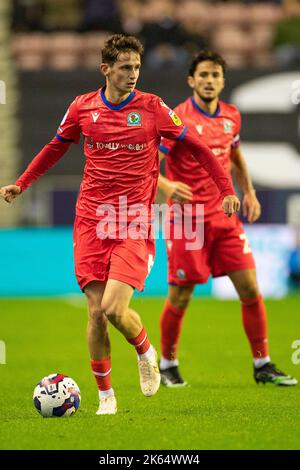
(226, 250)
(121, 128)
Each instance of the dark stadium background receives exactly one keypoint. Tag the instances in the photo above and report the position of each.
(52, 52)
(56, 90)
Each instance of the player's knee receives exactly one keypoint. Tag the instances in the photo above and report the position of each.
(96, 318)
(249, 290)
(181, 297)
(113, 312)
(182, 303)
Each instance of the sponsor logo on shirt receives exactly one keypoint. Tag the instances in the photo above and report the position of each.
(120, 146)
(134, 119)
(227, 126)
(176, 119)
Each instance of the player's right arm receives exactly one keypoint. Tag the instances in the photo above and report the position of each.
(67, 133)
(10, 192)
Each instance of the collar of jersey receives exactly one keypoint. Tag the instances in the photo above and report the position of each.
(115, 107)
(216, 113)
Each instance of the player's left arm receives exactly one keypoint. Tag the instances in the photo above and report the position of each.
(176, 190)
(169, 125)
(250, 204)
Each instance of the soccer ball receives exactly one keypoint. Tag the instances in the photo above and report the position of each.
(56, 395)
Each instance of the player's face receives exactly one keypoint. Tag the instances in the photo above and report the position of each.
(124, 73)
(208, 80)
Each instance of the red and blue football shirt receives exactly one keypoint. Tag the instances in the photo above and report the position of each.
(220, 132)
(121, 150)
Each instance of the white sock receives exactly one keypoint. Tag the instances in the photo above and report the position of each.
(106, 393)
(261, 361)
(166, 363)
(148, 354)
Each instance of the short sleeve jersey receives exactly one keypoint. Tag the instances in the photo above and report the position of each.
(220, 132)
(120, 146)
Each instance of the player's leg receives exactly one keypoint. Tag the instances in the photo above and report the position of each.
(253, 313)
(97, 332)
(99, 347)
(91, 276)
(186, 268)
(255, 324)
(170, 327)
(115, 306)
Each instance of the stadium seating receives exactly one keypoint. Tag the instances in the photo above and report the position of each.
(242, 32)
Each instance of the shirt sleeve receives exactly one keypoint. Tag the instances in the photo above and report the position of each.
(204, 156)
(168, 124)
(236, 141)
(69, 130)
(45, 159)
(167, 145)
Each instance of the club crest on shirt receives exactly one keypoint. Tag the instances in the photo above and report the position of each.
(227, 126)
(199, 129)
(134, 119)
(176, 119)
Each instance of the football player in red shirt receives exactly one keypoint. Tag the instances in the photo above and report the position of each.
(225, 250)
(121, 128)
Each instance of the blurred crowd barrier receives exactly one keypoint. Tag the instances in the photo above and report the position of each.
(70, 34)
(52, 273)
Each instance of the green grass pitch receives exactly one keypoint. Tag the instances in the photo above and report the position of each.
(222, 409)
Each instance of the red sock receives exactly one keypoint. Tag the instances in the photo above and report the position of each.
(255, 325)
(101, 370)
(141, 342)
(170, 328)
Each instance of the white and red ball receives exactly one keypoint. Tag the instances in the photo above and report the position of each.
(56, 396)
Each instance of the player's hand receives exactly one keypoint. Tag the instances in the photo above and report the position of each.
(251, 206)
(230, 205)
(178, 191)
(10, 192)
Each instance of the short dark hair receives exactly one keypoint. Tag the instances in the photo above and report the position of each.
(207, 55)
(117, 44)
